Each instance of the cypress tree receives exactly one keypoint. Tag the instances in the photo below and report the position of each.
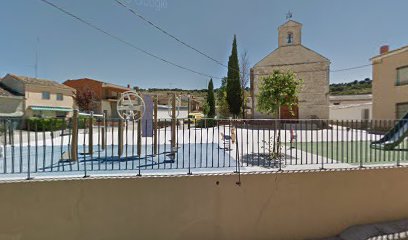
(234, 93)
(211, 99)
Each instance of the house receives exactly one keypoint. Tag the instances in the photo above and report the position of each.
(41, 97)
(390, 83)
(351, 107)
(11, 103)
(308, 65)
(106, 95)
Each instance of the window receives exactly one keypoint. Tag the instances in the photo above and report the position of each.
(46, 95)
(402, 76)
(290, 38)
(60, 97)
(402, 109)
(59, 114)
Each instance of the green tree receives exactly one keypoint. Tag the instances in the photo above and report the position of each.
(211, 99)
(276, 90)
(234, 93)
(222, 104)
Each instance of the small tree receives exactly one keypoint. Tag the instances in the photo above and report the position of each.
(276, 90)
(222, 104)
(234, 92)
(244, 79)
(85, 99)
(211, 100)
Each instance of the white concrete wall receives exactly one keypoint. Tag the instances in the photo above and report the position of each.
(349, 112)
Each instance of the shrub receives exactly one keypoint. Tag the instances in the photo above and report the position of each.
(206, 123)
(45, 124)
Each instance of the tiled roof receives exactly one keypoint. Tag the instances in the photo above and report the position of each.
(6, 93)
(40, 82)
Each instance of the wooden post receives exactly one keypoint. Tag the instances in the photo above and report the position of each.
(120, 137)
(74, 138)
(173, 123)
(90, 135)
(155, 124)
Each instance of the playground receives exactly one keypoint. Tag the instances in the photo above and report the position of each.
(140, 143)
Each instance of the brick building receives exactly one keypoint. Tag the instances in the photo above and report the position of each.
(106, 94)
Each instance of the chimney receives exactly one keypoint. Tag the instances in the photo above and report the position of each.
(128, 86)
(384, 49)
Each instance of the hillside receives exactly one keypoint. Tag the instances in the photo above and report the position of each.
(351, 88)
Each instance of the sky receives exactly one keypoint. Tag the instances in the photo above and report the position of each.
(348, 32)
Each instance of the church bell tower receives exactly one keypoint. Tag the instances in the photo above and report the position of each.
(290, 33)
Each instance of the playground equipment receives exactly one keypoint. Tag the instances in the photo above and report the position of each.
(130, 106)
(73, 156)
(394, 137)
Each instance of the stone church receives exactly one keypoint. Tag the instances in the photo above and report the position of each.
(308, 65)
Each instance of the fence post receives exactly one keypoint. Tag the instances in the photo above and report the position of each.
(74, 141)
(188, 112)
(90, 135)
(139, 137)
(29, 147)
(155, 125)
(104, 130)
(120, 137)
(173, 123)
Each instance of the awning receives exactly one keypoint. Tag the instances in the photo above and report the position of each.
(15, 114)
(45, 108)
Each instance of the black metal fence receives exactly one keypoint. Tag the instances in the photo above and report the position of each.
(38, 148)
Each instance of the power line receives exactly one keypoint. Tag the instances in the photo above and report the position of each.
(315, 70)
(124, 41)
(171, 35)
(352, 68)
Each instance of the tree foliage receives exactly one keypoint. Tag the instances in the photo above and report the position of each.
(86, 100)
(352, 88)
(211, 100)
(279, 89)
(234, 93)
(222, 104)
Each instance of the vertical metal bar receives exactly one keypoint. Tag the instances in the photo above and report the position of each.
(189, 150)
(127, 144)
(165, 144)
(29, 151)
(155, 125)
(90, 139)
(105, 137)
(99, 143)
(52, 126)
(184, 144)
(21, 146)
(83, 149)
(173, 123)
(5, 127)
(11, 128)
(212, 145)
(206, 146)
(133, 144)
(120, 141)
(112, 144)
(146, 142)
(139, 138)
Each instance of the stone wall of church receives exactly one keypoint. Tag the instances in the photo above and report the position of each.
(314, 95)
